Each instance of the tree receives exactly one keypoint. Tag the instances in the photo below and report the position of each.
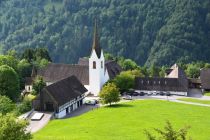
(193, 71)
(11, 129)
(109, 94)
(154, 71)
(9, 61)
(38, 84)
(6, 105)
(124, 81)
(9, 82)
(129, 64)
(169, 133)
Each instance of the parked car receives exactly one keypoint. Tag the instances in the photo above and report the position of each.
(149, 93)
(127, 97)
(142, 94)
(91, 102)
(168, 94)
(162, 93)
(155, 93)
(135, 93)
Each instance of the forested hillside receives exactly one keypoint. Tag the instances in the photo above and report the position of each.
(147, 31)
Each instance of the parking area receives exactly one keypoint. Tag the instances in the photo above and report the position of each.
(36, 125)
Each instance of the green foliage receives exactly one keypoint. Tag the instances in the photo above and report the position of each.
(9, 82)
(128, 64)
(154, 71)
(9, 61)
(156, 31)
(11, 129)
(125, 80)
(36, 54)
(169, 133)
(38, 84)
(193, 71)
(6, 105)
(23, 107)
(109, 94)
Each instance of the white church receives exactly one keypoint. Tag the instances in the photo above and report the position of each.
(68, 84)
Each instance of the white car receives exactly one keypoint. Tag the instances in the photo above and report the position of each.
(91, 102)
(127, 97)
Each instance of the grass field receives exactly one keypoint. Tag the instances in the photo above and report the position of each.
(207, 94)
(195, 100)
(128, 121)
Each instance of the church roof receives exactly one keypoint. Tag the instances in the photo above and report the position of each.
(96, 44)
(28, 81)
(55, 72)
(113, 68)
(65, 90)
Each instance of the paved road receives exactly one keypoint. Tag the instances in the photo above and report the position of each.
(81, 110)
(35, 126)
(174, 99)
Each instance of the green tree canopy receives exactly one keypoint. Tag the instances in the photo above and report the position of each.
(9, 82)
(6, 105)
(11, 129)
(9, 60)
(38, 84)
(109, 94)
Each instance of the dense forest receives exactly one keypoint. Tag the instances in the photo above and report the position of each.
(159, 32)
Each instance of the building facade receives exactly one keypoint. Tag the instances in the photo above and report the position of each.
(61, 97)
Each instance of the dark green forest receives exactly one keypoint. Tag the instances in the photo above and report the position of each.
(159, 32)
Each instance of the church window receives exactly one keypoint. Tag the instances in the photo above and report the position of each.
(94, 64)
(102, 64)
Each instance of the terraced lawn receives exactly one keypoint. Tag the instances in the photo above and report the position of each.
(127, 121)
(195, 100)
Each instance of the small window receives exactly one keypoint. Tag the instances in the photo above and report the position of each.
(94, 64)
(165, 82)
(102, 64)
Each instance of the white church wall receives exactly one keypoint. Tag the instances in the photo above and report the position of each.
(28, 88)
(97, 75)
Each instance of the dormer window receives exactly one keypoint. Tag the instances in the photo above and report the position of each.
(94, 64)
(102, 64)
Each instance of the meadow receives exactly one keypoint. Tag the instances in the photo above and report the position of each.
(128, 121)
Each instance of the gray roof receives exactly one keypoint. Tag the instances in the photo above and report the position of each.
(55, 72)
(205, 78)
(113, 68)
(160, 84)
(28, 81)
(65, 90)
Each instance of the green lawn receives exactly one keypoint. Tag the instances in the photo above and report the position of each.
(195, 100)
(128, 121)
(207, 94)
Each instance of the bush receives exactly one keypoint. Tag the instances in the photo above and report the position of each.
(169, 133)
(24, 107)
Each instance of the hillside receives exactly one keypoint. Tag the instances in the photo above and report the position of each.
(148, 31)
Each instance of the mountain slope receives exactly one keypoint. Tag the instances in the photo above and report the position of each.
(148, 31)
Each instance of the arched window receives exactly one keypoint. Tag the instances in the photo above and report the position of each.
(102, 64)
(94, 64)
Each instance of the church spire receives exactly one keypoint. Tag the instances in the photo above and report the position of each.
(96, 44)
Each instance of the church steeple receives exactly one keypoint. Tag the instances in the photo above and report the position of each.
(96, 44)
